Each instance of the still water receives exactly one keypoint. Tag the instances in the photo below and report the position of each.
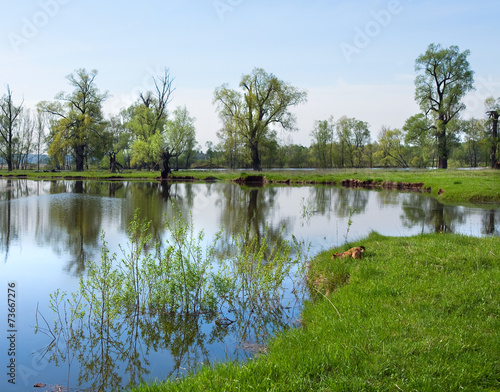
(50, 229)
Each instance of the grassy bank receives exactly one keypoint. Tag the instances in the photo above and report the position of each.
(415, 314)
(458, 186)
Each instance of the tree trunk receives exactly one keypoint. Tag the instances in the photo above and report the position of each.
(112, 160)
(79, 157)
(442, 147)
(254, 149)
(165, 171)
(8, 158)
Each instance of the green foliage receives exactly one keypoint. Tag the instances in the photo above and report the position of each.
(251, 114)
(158, 139)
(323, 134)
(444, 79)
(352, 211)
(353, 135)
(161, 291)
(80, 128)
(260, 268)
(392, 151)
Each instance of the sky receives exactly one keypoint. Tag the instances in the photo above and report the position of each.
(354, 58)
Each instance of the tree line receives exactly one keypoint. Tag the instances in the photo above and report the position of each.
(75, 134)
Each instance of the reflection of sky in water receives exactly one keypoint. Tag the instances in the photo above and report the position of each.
(43, 225)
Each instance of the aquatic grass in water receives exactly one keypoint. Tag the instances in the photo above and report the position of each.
(163, 289)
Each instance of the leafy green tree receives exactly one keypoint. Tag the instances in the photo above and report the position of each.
(353, 135)
(265, 101)
(81, 126)
(298, 156)
(120, 153)
(475, 133)
(344, 135)
(361, 137)
(24, 140)
(269, 152)
(420, 138)
(179, 136)
(148, 119)
(232, 145)
(42, 122)
(9, 120)
(445, 77)
(392, 150)
(210, 152)
(158, 140)
(323, 138)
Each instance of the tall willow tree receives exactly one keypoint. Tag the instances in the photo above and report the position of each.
(9, 118)
(323, 135)
(445, 77)
(158, 139)
(353, 135)
(263, 102)
(80, 127)
(148, 119)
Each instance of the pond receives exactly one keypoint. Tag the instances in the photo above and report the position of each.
(50, 230)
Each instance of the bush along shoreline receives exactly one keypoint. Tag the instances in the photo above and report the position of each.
(416, 313)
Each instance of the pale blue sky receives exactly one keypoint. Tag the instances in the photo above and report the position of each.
(354, 58)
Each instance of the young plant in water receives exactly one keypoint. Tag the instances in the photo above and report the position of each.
(261, 267)
(352, 211)
(307, 210)
(180, 277)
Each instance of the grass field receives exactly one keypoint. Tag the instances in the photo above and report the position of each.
(415, 314)
(458, 186)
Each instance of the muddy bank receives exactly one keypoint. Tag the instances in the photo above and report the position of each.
(393, 185)
(251, 180)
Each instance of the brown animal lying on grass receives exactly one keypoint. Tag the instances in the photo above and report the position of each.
(355, 253)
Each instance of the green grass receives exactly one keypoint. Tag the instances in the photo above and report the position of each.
(459, 186)
(415, 314)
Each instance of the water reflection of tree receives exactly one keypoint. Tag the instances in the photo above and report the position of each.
(103, 349)
(245, 214)
(113, 334)
(6, 230)
(490, 221)
(75, 224)
(246, 211)
(347, 200)
(154, 200)
(186, 336)
(14, 217)
(427, 212)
